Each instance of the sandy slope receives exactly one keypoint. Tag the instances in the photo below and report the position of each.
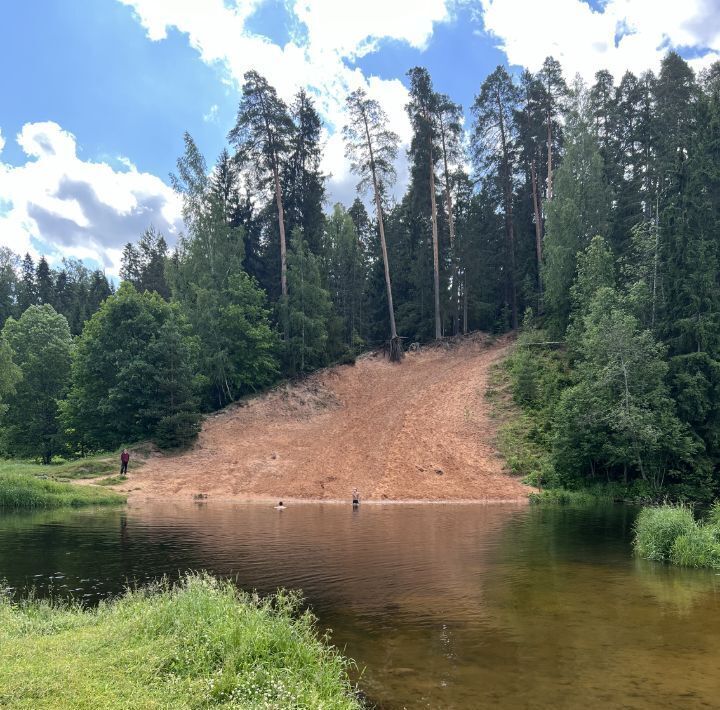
(418, 430)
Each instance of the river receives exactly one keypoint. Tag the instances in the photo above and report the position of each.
(441, 606)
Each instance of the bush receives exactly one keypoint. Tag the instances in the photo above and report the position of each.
(699, 547)
(657, 529)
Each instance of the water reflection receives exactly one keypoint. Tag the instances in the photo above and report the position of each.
(446, 606)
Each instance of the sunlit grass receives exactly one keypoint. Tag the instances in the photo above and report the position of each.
(197, 645)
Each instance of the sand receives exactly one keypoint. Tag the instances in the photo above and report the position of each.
(421, 430)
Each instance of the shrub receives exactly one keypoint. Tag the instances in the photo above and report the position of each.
(656, 530)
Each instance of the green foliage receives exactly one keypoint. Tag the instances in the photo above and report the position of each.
(132, 374)
(308, 309)
(41, 349)
(199, 644)
(699, 547)
(10, 374)
(713, 516)
(577, 212)
(19, 490)
(226, 310)
(657, 529)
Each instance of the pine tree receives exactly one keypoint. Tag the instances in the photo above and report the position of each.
(262, 137)
(494, 151)
(304, 183)
(27, 288)
(44, 283)
(424, 151)
(372, 149)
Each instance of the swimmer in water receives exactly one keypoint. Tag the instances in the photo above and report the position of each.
(356, 498)
(280, 506)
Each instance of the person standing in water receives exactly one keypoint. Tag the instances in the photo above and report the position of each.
(124, 460)
(356, 498)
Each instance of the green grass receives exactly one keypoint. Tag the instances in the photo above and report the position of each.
(88, 467)
(670, 533)
(565, 496)
(19, 490)
(199, 644)
(111, 481)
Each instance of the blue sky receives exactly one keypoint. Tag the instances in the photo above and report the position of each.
(97, 95)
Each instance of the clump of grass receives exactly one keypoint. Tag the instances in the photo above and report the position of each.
(564, 496)
(23, 491)
(111, 481)
(199, 644)
(656, 530)
(699, 547)
(671, 533)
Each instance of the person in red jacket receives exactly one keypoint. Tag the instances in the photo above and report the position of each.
(124, 459)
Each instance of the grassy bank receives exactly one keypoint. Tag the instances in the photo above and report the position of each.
(104, 464)
(200, 644)
(20, 490)
(671, 533)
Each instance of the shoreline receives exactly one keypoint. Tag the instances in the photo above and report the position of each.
(265, 500)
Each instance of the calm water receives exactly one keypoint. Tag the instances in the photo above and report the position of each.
(442, 606)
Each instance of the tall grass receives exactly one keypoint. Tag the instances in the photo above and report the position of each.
(19, 490)
(670, 533)
(199, 644)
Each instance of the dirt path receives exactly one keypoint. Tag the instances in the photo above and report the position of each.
(419, 430)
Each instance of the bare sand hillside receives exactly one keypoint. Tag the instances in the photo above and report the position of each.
(420, 430)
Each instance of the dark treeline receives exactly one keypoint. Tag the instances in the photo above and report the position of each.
(590, 213)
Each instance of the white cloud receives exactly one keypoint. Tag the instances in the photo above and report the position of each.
(335, 32)
(79, 208)
(2, 141)
(212, 115)
(624, 35)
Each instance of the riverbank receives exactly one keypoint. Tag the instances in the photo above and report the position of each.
(420, 430)
(21, 490)
(198, 644)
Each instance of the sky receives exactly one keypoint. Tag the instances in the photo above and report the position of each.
(95, 95)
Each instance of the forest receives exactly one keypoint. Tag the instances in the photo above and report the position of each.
(585, 217)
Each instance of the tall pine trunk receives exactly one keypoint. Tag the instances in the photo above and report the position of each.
(436, 257)
(538, 232)
(549, 158)
(451, 225)
(396, 352)
(281, 228)
(509, 228)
